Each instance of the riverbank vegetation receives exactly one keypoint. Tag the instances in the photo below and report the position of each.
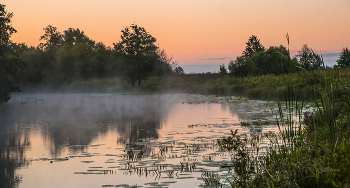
(70, 61)
(312, 149)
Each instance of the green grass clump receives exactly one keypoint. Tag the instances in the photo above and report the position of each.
(311, 149)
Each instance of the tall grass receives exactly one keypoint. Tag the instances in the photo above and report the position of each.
(312, 149)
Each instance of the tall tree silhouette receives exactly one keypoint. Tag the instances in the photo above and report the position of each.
(137, 48)
(344, 58)
(253, 45)
(52, 38)
(10, 63)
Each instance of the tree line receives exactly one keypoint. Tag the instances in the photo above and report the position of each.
(257, 60)
(62, 58)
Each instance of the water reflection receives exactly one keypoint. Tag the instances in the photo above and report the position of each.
(13, 143)
(45, 126)
(73, 120)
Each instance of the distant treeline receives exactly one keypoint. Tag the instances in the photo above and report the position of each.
(70, 56)
(257, 60)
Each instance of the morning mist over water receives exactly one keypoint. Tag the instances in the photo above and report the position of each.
(80, 137)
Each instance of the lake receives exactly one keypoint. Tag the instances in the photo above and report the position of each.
(118, 140)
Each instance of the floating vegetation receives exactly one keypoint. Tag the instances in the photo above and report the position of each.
(186, 153)
(87, 161)
(211, 179)
(25, 100)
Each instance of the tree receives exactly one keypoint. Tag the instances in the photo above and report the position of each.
(344, 58)
(139, 54)
(6, 29)
(105, 64)
(10, 63)
(75, 56)
(73, 36)
(253, 45)
(179, 70)
(242, 66)
(308, 59)
(274, 60)
(164, 65)
(35, 66)
(222, 70)
(52, 38)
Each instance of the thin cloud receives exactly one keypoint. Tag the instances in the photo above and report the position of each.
(323, 54)
(217, 58)
(330, 54)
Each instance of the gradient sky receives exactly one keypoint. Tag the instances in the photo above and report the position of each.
(193, 31)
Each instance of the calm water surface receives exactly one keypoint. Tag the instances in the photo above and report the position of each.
(112, 140)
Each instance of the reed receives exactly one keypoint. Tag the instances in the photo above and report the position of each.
(312, 149)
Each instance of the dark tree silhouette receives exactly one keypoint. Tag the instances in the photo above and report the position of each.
(222, 70)
(6, 29)
(253, 45)
(52, 38)
(179, 70)
(10, 63)
(344, 58)
(308, 59)
(73, 36)
(139, 52)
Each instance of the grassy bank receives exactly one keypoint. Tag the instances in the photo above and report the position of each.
(311, 149)
(267, 87)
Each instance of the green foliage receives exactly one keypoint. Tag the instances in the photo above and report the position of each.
(10, 63)
(71, 56)
(253, 45)
(223, 70)
(163, 66)
(308, 59)
(73, 36)
(179, 70)
(6, 29)
(242, 163)
(242, 66)
(105, 64)
(139, 52)
(344, 59)
(74, 62)
(311, 149)
(275, 60)
(36, 67)
(211, 179)
(52, 38)
(10, 66)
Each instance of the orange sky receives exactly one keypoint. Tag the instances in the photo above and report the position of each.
(192, 30)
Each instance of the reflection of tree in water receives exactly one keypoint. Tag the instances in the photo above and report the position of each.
(74, 120)
(62, 134)
(67, 120)
(138, 127)
(13, 143)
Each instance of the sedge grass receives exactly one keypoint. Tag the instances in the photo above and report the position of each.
(309, 150)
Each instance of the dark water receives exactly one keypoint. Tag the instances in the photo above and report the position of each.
(102, 140)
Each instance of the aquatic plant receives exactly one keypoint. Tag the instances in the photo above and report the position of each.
(211, 179)
(312, 149)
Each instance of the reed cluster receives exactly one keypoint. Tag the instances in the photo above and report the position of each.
(312, 149)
